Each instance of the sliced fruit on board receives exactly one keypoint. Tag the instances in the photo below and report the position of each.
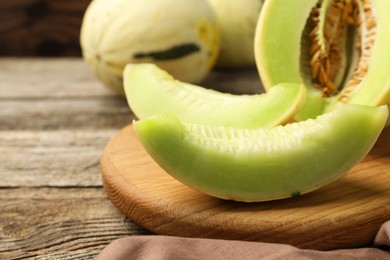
(150, 90)
(338, 48)
(262, 164)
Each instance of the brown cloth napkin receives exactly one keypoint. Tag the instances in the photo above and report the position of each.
(166, 247)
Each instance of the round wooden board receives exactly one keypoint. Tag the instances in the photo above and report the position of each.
(347, 213)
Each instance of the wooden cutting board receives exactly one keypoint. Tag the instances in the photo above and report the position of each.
(347, 213)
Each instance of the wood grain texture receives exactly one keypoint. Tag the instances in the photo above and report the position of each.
(346, 213)
(52, 158)
(32, 78)
(52, 114)
(44, 94)
(55, 120)
(52, 223)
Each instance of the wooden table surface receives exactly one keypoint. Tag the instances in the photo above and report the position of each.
(55, 120)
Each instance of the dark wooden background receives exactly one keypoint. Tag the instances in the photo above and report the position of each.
(41, 27)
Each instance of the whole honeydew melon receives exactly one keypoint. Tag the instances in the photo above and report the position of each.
(237, 21)
(180, 37)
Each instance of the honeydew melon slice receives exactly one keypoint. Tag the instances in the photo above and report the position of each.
(262, 164)
(288, 36)
(150, 90)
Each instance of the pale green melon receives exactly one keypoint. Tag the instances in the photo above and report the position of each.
(263, 164)
(284, 39)
(151, 90)
(237, 21)
(179, 36)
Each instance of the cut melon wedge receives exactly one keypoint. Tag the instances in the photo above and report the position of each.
(285, 50)
(151, 90)
(262, 164)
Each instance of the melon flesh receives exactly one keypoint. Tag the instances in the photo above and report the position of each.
(151, 90)
(262, 164)
(280, 39)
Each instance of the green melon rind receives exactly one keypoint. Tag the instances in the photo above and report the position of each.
(375, 88)
(263, 164)
(150, 90)
(281, 51)
(277, 52)
(278, 57)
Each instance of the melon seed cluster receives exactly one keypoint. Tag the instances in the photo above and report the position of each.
(332, 20)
